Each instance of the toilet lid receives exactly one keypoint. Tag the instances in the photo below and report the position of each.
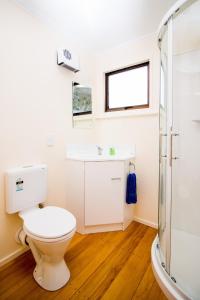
(50, 222)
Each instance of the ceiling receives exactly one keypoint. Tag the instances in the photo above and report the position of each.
(99, 24)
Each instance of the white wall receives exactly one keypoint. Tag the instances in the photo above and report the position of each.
(35, 97)
(139, 127)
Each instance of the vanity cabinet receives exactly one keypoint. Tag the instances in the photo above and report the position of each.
(104, 192)
(96, 194)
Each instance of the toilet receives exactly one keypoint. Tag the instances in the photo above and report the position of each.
(47, 231)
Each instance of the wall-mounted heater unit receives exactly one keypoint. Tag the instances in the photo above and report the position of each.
(68, 60)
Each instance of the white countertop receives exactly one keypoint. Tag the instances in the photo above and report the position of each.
(89, 152)
(103, 157)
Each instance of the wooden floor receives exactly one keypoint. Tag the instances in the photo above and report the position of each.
(108, 266)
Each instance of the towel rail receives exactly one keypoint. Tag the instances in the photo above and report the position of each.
(131, 164)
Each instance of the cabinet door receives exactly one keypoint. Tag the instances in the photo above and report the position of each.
(104, 192)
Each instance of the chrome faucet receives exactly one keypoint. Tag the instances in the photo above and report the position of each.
(99, 150)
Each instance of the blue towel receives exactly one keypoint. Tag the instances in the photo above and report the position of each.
(131, 193)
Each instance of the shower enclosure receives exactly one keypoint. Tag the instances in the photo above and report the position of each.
(176, 250)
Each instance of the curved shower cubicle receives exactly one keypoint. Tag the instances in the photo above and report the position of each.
(176, 249)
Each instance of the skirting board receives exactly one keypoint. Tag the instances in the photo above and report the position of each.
(146, 222)
(13, 255)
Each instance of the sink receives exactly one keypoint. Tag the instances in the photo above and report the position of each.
(96, 157)
(90, 153)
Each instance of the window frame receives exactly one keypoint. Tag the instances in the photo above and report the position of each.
(107, 109)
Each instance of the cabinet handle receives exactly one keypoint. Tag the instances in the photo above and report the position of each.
(115, 178)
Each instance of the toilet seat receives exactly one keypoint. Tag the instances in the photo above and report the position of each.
(49, 224)
(50, 240)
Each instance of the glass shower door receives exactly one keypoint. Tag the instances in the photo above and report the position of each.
(185, 219)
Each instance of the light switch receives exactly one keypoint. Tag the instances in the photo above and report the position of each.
(50, 140)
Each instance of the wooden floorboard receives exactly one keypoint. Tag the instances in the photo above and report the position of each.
(107, 266)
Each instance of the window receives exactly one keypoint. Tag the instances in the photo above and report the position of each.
(127, 88)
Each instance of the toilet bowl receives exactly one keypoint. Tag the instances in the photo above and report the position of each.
(49, 231)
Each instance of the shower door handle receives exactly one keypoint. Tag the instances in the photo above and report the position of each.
(172, 134)
(175, 157)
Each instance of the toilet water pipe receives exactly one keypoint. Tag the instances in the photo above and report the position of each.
(34, 250)
(22, 238)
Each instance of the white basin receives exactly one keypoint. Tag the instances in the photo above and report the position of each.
(96, 157)
(89, 152)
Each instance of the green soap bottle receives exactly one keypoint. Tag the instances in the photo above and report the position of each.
(112, 151)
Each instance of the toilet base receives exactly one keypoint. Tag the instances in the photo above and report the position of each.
(51, 276)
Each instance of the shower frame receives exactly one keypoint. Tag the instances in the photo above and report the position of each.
(161, 268)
